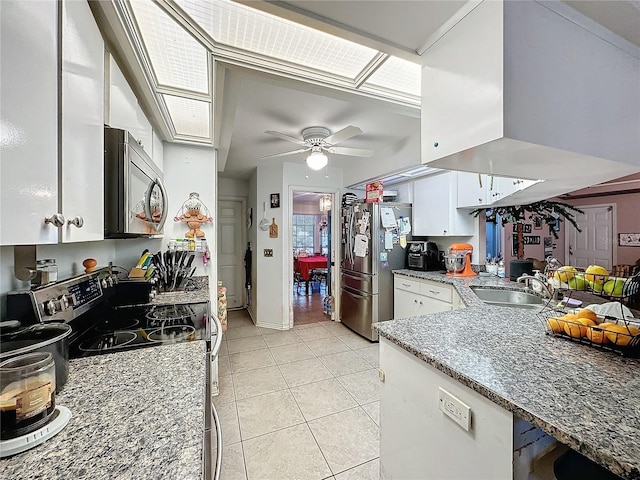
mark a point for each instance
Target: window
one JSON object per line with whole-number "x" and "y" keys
{"x": 304, "y": 233}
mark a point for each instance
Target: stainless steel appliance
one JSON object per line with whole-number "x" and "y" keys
{"x": 370, "y": 251}
{"x": 135, "y": 198}
{"x": 101, "y": 324}
{"x": 423, "y": 256}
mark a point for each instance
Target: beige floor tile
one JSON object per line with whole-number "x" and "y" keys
{"x": 371, "y": 354}
{"x": 322, "y": 398}
{"x": 366, "y": 471}
{"x": 241, "y": 332}
{"x": 342, "y": 363}
{"x": 347, "y": 439}
{"x": 229, "y": 424}
{"x": 291, "y": 453}
{"x": 223, "y": 348}
{"x": 373, "y": 410}
{"x": 336, "y": 328}
{"x": 282, "y": 338}
{"x": 291, "y": 353}
{"x": 304, "y": 326}
{"x": 363, "y": 386}
{"x": 233, "y": 463}
{"x": 315, "y": 332}
{"x": 245, "y": 344}
{"x": 224, "y": 366}
{"x": 258, "y": 382}
{"x": 226, "y": 393}
{"x": 327, "y": 346}
{"x": 267, "y": 413}
{"x": 304, "y": 371}
{"x": 242, "y": 362}
{"x": 355, "y": 341}
{"x": 233, "y": 321}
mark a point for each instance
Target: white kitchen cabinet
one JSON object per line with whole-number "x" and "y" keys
{"x": 53, "y": 162}
{"x": 477, "y": 190}
{"x": 28, "y": 122}
{"x": 413, "y": 297}
{"x": 417, "y": 440}
{"x": 506, "y": 105}
{"x": 435, "y": 212}
{"x": 82, "y": 133}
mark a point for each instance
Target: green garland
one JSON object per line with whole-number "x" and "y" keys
{"x": 548, "y": 211}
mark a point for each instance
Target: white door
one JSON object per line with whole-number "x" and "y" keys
{"x": 594, "y": 244}
{"x": 231, "y": 250}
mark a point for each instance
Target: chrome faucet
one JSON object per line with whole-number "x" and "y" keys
{"x": 547, "y": 290}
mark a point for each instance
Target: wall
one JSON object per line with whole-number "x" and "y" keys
{"x": 231, "y": 187}
{"x": 192, "y": 169}
{"x": 306, "y": 208}
{"x": 252, "y": 238}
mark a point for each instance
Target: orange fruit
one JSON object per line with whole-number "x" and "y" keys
{"x": 620, "y": 334}
{"x": 597, "y": 335}
{"x": 555, "y": 324}
{"x": 586, "y": 313}
{"x": 577, "y": 328}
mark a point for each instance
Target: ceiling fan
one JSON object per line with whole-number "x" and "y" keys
{"x": 317, "y": 139}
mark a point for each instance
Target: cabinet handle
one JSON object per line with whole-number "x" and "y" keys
{"x": 434, "y": 292}
{"x": 57, "y": 220}
{"x": 77, "y": 221}
{"x": 415, "y": 300}
{"x": 420, "y": 302}
{"x": 406, "y": 284}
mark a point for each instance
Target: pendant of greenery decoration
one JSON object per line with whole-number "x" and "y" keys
{"x": 549, "y": 212}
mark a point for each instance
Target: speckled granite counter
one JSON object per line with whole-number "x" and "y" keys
{"x": 136, "y": 415}
{"x": 194, "y": 289}
{"x": 584, "y": 397}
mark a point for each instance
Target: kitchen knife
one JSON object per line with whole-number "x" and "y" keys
{"x": 190, "y": 261}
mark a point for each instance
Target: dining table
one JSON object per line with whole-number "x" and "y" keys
{"x": 305, "y": 265}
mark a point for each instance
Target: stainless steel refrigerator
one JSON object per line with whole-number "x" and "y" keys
{"x": 370, "y": 249}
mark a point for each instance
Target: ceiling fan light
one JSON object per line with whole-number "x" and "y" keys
{"x": 317, "y": 161}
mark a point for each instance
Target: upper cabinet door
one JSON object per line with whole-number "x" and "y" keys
{"x": 28, "y": 122}
{"x": 82, "y": 136}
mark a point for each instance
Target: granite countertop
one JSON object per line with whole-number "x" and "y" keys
{"x": 137, "y": 414}
{"x": 584, "y": 397}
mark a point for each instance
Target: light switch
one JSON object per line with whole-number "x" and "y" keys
{"x": 454, "y": 408}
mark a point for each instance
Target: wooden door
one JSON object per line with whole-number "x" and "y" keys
{"x": 594, "y": 244}
{"x": 231, "y": 250}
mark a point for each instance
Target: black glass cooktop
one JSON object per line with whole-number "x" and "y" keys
{"x": 116, "y": 329}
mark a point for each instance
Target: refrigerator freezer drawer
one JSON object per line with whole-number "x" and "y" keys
{"x": 357, "y": 311}
{"x": 360, "y": 282}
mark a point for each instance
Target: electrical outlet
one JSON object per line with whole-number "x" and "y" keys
{"x": 455, "y": 409}
{"x": 381, "y": 374}
{"x": 268, "y": 252}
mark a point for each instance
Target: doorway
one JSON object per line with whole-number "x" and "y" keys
{"x": 231, "y": 242}
{"x": 594, "y": 244}
{"x": 312, "y": 253}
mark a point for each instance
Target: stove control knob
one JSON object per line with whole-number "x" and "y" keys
{"x": 64, "y": 302}
{"x": 50, "y": 307}
{"x": 110, "y": 281}
{"x": 103, "y": 282}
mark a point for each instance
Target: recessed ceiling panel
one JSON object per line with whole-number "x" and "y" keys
{"x": 243, "y": 27}
{"x": 178, "y": 60}
{"x": 190, "y": 117}
{"x": 397, "y": 74}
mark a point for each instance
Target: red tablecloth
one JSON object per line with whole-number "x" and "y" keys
{"x": 306, "y": 264}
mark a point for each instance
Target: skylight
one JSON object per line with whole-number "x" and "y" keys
{"x": 178, "y": 36}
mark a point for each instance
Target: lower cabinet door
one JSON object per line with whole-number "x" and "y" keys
{"x": 405, "y": 304}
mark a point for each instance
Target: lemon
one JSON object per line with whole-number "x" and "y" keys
{"x": 614, "y": 286}
{"x": 620, "y": 334}
{"x": 564, "y": 274}
{"x": 577, "y": 328}
{"x": 555, "y": 324}
{"x": 587, "y": 313}
{"x": 597, "y": 335}
{"x": 596, "y": 274}
{"x": 577, "y": 282}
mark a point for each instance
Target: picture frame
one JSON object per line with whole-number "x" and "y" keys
{"x": 537, "y": 223}
{"x": 275, "y": 200}
{"x": 629, "y": 239}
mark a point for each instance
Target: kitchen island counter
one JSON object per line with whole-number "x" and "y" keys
{"x": 584, "y": 397}
{"x": 137, "y": 414}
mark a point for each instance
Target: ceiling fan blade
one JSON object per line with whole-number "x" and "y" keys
{"x": 342, "y": 135}
{"x": 354, "y": 152}
{"x": 297, "y": 141}
{"x": 287, "y": 153}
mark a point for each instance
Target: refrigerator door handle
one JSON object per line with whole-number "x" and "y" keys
{"x": 353, "y": 294}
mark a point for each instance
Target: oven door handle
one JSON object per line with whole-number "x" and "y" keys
{"x": 216, "y": 346}
{"x": 147, "y": 204}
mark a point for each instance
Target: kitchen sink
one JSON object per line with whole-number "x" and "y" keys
{"x": 509, "y": 298}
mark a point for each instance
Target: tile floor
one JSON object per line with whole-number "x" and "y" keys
{"x": 298, "y": 404}
{"x": 307, "y": 307}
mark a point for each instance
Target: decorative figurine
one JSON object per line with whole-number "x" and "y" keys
{"x": 194, "y": 213}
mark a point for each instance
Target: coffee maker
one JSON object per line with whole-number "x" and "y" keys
{"x": 423, "y": 256}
